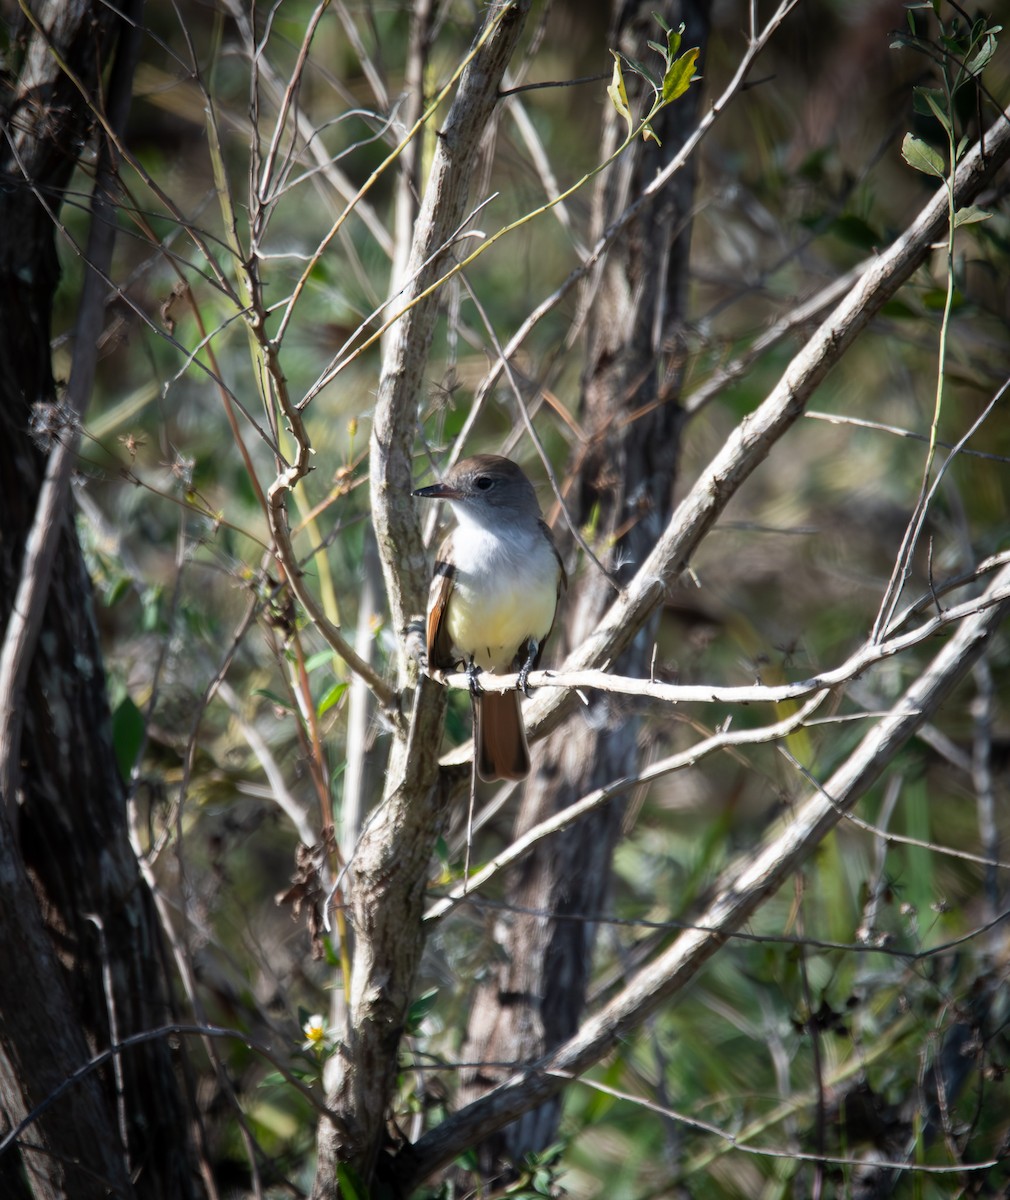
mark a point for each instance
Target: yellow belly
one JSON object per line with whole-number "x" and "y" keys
{"x": 494, "y": 623}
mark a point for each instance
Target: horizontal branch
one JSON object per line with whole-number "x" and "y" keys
{"x": 751, "y": 880}
{"x": 868, "y": 655}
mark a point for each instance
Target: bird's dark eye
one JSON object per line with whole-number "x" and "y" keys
{"x": 483, "y": 482}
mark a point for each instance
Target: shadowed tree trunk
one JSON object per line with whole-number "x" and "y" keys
{"x": 80, "y": 962}
{"x": 630, "y": 410}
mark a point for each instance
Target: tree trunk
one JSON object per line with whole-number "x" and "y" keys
{"x": 80, "y": 960}
{"x": 393, "y": 855}
{"x": 634, "y": 366}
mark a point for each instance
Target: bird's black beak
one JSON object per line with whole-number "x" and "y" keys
{"x": 438, "y": 491}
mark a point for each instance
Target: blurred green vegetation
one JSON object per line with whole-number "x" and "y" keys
{"x": 846, "y": 987}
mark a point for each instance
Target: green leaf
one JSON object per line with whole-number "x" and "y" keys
{"x": 150, "y": 609}
{"x": 925, "y": 101}
{"x": 319, "y": 659}
{"x": 970, "y": 215}
{"x": 678, "y": 78}
{"x": 921, "y": 156}
{"x": 330, "y": 952}
{"x": 420, "y": 1009}
{"x": 980, "y": 60}
{"x": 899, "y": 310}
{"x": 673, "y": 37}
{"x": 643, "y": 70}
{"x": 618, "y": 94}
{"x": 856, "y": 231}
{"x": 938, "y": 108}
{"x": 936, "y": 299}
{"x": 273, "y": 697}
{"x": 331, "y": 697}
{"x": 127, "y": 735}
{"x": 117, "y": 591}
{"x": 350, "y": 1184}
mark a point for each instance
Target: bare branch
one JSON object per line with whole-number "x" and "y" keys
{"x": 865, "y": 657}
{"x": 868, "y": 655}
{"x": 722, "y": 740}
{"x": 738, "y": 1142}
{"x": 745, "y": 886}
{"x": 753, "y": 439}
{"x": 393, "y": 854}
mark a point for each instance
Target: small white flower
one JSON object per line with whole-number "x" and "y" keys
{"x": 317, "y": 1036}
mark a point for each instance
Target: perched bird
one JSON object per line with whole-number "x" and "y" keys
{"x": 494, "y": 596}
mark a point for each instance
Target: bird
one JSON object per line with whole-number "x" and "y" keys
{"x": 493, "y": 599}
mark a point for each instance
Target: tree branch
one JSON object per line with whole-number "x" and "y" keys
{"x": 755, "y": 436}
{"x": 868, "y": 655}
{"x": 744, "y": 887}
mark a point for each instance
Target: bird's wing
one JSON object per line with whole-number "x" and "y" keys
{"x": 439, "y": 642}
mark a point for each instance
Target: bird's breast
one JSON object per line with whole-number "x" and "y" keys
{"x": 503, "y": 594}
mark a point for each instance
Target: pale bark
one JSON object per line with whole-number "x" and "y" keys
{"x": 755, "y": 437}
{"x": 618, "y": 626}
{"x": 671, "y": 548}
{"x": 392, "y": 859}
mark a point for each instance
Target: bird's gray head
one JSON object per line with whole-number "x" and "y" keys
{"x": 487, "y": 488}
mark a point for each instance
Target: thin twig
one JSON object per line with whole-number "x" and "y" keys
{"x": 557, "y": 822}
{"x": 162, "y": 1033}
{"x": 787, "y": 1152}
{"x": 752, "y": 878}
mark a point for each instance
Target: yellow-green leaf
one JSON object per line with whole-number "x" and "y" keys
{"x": 980, "y": 59}
{"x": 332, "y": 696}
{"x": 678, "y": 78}
{"x": 970, "y": 214}
{"x": 617, "y": 93}
{"x": 921, "y": 156}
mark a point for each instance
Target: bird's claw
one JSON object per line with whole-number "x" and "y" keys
{"x": 473, "y": 678}
{"x": 524, "y": 671}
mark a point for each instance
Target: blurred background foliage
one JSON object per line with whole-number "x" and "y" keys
{"x": 831, "y": 1013}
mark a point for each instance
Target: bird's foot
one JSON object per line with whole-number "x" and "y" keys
{"x": 473, "y": 678}
{"x": 532, "y": 649}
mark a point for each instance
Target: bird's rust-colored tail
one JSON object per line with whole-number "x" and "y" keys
{"x": 500, "y": 737}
